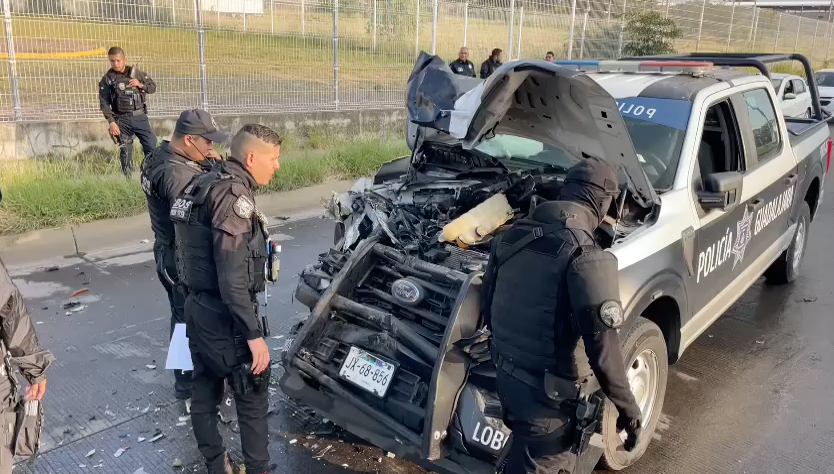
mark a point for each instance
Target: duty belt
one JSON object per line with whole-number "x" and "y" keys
{"x": 553, "y": 385}
{"x": 135, "y": 112}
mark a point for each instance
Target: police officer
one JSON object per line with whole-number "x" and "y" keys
{"x": 462, "y": 65}
{"x": 19, "y": 342}
{"x": 122, "y": 97}
{"x": 165, "y": 174}
{"x": 550, "y": 57}
{"x": 221, "y": 250}
{"x": 492, "y": 63}
{"x": 555, "y": 350}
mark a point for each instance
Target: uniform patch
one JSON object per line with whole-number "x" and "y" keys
{"x": 181, "y": 210}
{"x": 244, "y": 207}
{"x": 611, "y": 313}
{"x": 146, "y": 184}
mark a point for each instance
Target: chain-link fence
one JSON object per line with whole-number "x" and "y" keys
{"x": 272, "y": 56}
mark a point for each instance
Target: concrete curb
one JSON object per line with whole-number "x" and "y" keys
{"x": 111, "y": 235}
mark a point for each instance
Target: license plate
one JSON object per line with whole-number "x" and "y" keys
{"x": 367, "y": 371}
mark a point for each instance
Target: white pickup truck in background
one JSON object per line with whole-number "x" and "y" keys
{"x": 793, "y": 94}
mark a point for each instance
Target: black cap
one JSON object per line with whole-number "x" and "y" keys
{"x": 595, "y": 172}
{"x": 199, "y": 122}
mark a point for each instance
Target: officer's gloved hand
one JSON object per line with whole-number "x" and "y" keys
{"x": 633, "y": 428}
{"x": 477, "y": 346}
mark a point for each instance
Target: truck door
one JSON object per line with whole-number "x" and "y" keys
{"x": 771, "y": 175}
{"x": 720, "y": 242}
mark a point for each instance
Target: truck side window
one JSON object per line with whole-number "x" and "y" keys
{"x": 719, "y": 150}
{"x": 762, "y": 116}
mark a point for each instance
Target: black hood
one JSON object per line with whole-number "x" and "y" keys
{"x": 531, "y": 99}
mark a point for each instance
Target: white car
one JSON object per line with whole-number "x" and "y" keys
{"x": 825, "y": 84}
{"x": 794, "y": 97}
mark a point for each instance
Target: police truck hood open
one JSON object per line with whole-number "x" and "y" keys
{"x": 530, "y": 99}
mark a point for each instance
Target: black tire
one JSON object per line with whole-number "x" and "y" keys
{"x": 644, "y": 337}
{"x": 786, "y": 268}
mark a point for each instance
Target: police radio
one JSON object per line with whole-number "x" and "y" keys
{"x": 273, "y": 263}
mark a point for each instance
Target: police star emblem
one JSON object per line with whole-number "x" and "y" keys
{"x": 611, "y": 314}
{"x": 743, "y": 236}
{"x": 244, "y": 207}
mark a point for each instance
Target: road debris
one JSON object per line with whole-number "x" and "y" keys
{"x": 52, "y": 269}
{"x": 90, "y": 454}
{"x": 141, "y": 470}
{"x": 183, "y": 418}
{"x": 293, "y": 441}
{"x": 78, "y": 292}
{"x": 144, "y": 241}
{"x": 182, "y": 423}
{"x": 150, "y": 366}
{"x": 176, "y": 463}
{"x": 809, "y": 299}
{"x": 140, "y": 439}
{"x": 323, "y": 452}
{"x": 121, "y": 451}
{"x": 277, "y": 337}
{"x": 157, "y": 436}
{"x": 146, "y": 409}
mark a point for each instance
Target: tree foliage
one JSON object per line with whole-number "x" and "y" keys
{"x": 648, "y": 33}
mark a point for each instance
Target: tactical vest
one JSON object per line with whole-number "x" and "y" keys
{"x": 124, "y": 98}
{"x": 153, "y": 169}
{"x": 194, "y": 241}
{"x": 531, "y": 320}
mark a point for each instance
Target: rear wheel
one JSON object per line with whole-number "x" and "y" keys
{"x": 786, "y": 268}
{"x": 644, "y": 350}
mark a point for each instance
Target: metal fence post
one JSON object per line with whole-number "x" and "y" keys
{"x": 798, "y": 25}
{"x": 622, "y": 31}
{"x": 303, "y": 23}
{"x": 174, "y": 12}
{"x": 272, "y": 16}
{"x": 510, "y": 31}
{"x": 417, "y": 29}
{"x": 373, "y": 40}
{"x": 582, "y": 40}
{"x": 730, "y": 29}
{"x": 518, "y": 37}
{"x": 201, "y": 42}
{"x": 465, "y": 20}
{"x": 336, "y": 54}
{"x": 570, "y": 28}
{"x": 814, "y": 42}
{"x": 700, "y": 25}
{"x": 828, "y": 43}
{"x": 434, "y": 27}
{"x": 609, "y": 11}
{"x": 244, "y": 17}
{"x": 7, "y": 30}
{"x": 668, "y": 2}
{"x": 755, "y": 26}
{"x": 778, "y": 28}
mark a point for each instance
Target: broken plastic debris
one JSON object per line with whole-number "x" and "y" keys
{"x": 344, "y": 465}
{"x": 146, "y": 409}
{"x": 277, "y": 337}
{"x": 121, "y": 451}
{"x": 150, "y": 366}
{"x": 390, "y": 455}
{"x": 90, "y": 454}
{"x": 325, "y": 421}
{"x": 39, "y": 322}
{"x": 293, "y": 441}
{"x": 52, "y": 269}
{"x": 183, "y": 418}
{"x": 78, "y": 292}
{"x": 182, "y": 423}
{"x": 323, "y": 452}
{"x": 82, "y": 466}
{"x": 760, "y": 342}
{"x": 141, "y": 470}
{"x": 157, "y": 438}
{"x": 176, "y": 464}
{"x": 99, "y": 465}
{"x": 140, "y": 439}
{"x": 72, "y": 304}
{"x": 144, "y": 241}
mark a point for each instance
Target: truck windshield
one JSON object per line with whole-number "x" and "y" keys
{"x": 656, "y": 127}
{"x": 825, "y": 79}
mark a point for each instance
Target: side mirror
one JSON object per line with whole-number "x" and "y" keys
{"x": 721, "y": 190}
{"x": 790, "y": 96}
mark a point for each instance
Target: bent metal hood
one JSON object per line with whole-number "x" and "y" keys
{"x": 531, "y": 99}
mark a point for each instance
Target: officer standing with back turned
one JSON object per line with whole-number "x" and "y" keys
{"x": 122, "y": 96}
{"x": 165, "y": 174}
{"x": 222, "y": 246}
{"x": 557, "y": 349}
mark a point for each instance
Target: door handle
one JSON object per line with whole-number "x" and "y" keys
{"x": 791, "y": 179}
{"x": 756, "y": 204}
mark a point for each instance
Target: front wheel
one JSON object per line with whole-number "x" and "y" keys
{"x": 786, "y": 268}
{"x": 644, "y": 350}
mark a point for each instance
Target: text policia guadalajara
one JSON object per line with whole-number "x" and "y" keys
{"x": 750, "y": 225}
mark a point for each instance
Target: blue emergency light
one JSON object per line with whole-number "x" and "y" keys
{"x": 591, "y": 65}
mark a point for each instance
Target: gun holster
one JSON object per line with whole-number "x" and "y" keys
{"x": 587, "y": 418}
{"x": 28, "y": 427}
{"x": 245, "y": 382}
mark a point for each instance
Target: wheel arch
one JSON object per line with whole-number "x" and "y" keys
{"x": 812, "y": 195}
{"x": 661, "y": 300}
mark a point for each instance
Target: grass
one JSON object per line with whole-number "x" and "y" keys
{"x": 53, "y": 192}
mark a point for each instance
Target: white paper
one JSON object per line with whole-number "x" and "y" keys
{"x": 179, "y": 356}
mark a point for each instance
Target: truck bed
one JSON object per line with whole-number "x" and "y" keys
{"x": 805, "y": 134}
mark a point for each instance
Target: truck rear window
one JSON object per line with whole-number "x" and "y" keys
{"x": 657, "y": 128}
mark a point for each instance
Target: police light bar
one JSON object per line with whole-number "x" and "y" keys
{"x": 681, "y": 67}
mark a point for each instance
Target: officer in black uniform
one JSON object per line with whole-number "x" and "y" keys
{"x": 492, "y": 63}
{"x": 122, "y": 95}
{"x": 557, "y": 348}
{"x": 462, "y": 66}
{"x": 165, "y": 174}
{"x": 221, "y": 250}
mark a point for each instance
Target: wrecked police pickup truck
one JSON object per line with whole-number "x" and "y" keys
{"x": 717, "y": 189}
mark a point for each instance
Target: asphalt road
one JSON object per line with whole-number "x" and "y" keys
{"x": 751, "y": 395}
